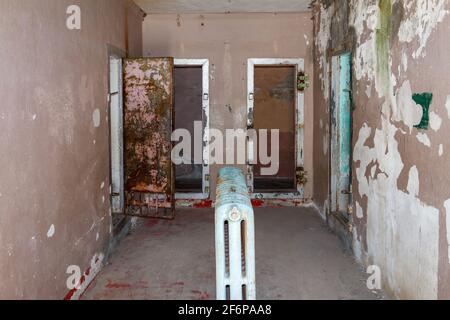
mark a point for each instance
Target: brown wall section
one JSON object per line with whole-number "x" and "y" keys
{"x": 228, "y": 40}
{"x": 54, "y": 176}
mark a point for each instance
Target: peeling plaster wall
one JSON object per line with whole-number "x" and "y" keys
{"x": 228, "y": 40}
{"x": 54, "y": 181}
{"x": 400, "y": 173}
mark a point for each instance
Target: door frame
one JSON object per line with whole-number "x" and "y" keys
{"x": 116, "y": 172}
{"x": 335, "y": 187}
{"x": 204, "y": 63}
{"x": 299, "y": 64}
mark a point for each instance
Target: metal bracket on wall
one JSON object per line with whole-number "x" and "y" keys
{"x": 302, "y": 81}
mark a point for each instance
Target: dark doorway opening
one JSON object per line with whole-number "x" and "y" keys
{"x": 188, "y": 109}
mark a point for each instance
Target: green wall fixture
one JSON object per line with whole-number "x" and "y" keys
{"x": 424, "y": 100}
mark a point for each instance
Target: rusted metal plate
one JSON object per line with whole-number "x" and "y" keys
{"x": 148, "y": 115}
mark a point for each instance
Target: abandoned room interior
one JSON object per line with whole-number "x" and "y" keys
{"x": 240, "y": 149}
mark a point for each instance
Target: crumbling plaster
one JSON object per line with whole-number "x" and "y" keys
{"x": 400, "y": 187}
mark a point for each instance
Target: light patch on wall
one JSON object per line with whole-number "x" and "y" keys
{"x": 275, "y": 46}
{"x": 325, "y": 140}
{"x": 413, "y": 182}
{"x": 51, "y": 231}
{"x": 422, "y": 18}
{"x": 357, "y": 248}
{"x": 364, "y": 16}
{"x": 404, "y": 109}
{"x": 435, "y": 121}
{"x": 96, "y": 118}
{"x": 441, "y": 150}
{"x": 447, "y": 220}
{"x": 404, "y": 61}
{"x": 365, "y": 62}
{"x": 359, "y": 210}
{"x": 373, "y": 171}
{"x": 306, "y": 39}
{"x": 423, "y": 138}
{"x": 212, "y": 72}
{"x": 447, "y": 106}
{"x": 325, "y": 209}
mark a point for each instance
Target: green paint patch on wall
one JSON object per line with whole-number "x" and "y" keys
{"x": 383, "y": 34}
{"x": 424, "y": 100}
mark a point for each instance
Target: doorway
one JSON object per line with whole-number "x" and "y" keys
{"x": 191, "y": 105}
{"x": 275, "y": 103}
{"x": 340, "y": 160}
{"x": 115, "y": 100}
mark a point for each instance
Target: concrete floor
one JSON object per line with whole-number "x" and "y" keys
{"x": 296, "y": 258}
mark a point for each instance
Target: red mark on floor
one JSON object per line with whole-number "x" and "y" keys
{"x": 257, "y": 203}
{"x": 151, "y": 223}
{"x": 203, "y": 204}
{"x": 119, "y": 285}
{"x": 70, "y": 294}
{"x": 200, "y": 295}
{"x": 116, "y": 285}
{"x": 173, "y": 289}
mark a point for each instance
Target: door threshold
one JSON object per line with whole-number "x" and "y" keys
{"x": 191, "y": 196}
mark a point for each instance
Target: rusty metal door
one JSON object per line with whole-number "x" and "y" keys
{"x": 148, "y": 122}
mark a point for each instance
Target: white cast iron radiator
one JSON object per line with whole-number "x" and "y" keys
{"x": 235, "y": 238}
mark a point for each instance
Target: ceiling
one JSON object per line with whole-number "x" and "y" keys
{"x": 214, "y": 6}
